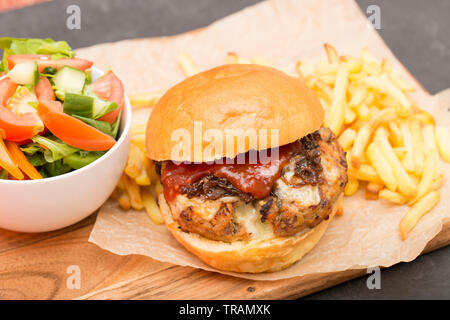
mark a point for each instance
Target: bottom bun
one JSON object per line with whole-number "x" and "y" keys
{"x": 252, "y": 256}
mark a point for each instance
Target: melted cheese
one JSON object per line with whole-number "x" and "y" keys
{"x": 247, "y": 216}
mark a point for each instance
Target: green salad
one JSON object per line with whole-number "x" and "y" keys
{"x": 53, "y": 118}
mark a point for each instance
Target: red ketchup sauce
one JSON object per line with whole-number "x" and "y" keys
{"x": 256, "y": 179}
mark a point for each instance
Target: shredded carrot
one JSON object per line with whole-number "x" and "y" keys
{"x": 7, "y": 162}
{"x": 21, "y": 160}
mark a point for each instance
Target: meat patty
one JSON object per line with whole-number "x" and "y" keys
{"x": 300, "y": 198}
{"x": 310, "y": 184}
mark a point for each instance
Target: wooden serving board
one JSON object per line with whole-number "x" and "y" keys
{"x": 35, "y": 266}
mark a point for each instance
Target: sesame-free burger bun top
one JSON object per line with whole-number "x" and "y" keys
{"x": 233, "y": 96}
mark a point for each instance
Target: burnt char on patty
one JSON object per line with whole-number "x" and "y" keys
{"x": 301, "y": 198}
{"x": 213, "y": 188}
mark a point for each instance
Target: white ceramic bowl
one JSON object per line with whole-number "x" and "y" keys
{"x": 57, "y": 202}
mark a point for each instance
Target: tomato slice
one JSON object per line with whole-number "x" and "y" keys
{"x": 72, "y": 131}
{"x": 44, "y": 60}
{"x": 16, "y": 127}
{"x": 7, "y": 89}
{"x": 44, "y": 90}
{"x": 109, "y": 88}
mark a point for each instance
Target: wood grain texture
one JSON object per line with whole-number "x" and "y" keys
{"x": 34, "y": 266}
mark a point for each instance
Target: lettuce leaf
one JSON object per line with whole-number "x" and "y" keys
{"x": 103, "y": 126}
{"x": 56, "y": 149}
{"x": 116, "y": 125}
{"x": 37, "y": 159}
{"x": 83, "y": 158}
{"x": 56, "y": 49}
{"x": 31, "y": 148}
{"x": 56, "y": 168}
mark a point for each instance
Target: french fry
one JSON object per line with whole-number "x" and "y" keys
{"x": 414, "y": 178}
{"x": 187, "y": 65}
{"x": 408, "y": 160}
{"x": 327, "y": 68}
{"x": 151, "y": 171}
{"x": 383, "y": 84}
{"x": 143, "y": 179}
{"x": 399, "y": 152}
{"x": 361, "y": 140}
{"x": 418, "y": 154}
{"x": 386, "y": 101}
{"x": 138, "y": 129}
{"x": 134, "y": 193}
{"x": 304, "y": 69}
{"x": 115, "y": 194}
{"x": 366, "y": 56}
{"x": 351, "y": 187}
{"x": 417, "y": 211}
{"x": 368, "y": 195}
{"x": 121, "y": 184}
{"x": 364, "y": 112}
{"x": 386, "y": 66}
{"x": 335, "y": 118}
{"x": 392, "y": 196}
{"x": 365, "y": 173}
{"x": 372, "y": 190}
{"x": 349, "y": 115}
{"x": 151, "y": 207}
{"x": 374, "y": 187}
{"x": 429, "y": 141}
{"x": 443, "y": 142}
{"x": 331, "y": 53}
{"x": 423, "y": 117}
{"x": 346, "y": 138}
{"x": 147, "y": 99}
{"x": 353, "y": 65}
{"x": 139, "y": 141}
{"x": 426, "y": 182}
{"x": 124, "y": 201}
{"x": 326, "y": 89}
{"x": 134, "y": 165}
{"x": 395, "y": 133}
{"x": 364, "y": 134}
{"x": 358, "y": 96}
{"x": 232, "y": 58}
{"x": 405, "y": 184}
{"x": 400, "y": 83}
{"x": 437, "y": 183}
{"x": 373, "y": 68}
{"x": 382, "y": 167}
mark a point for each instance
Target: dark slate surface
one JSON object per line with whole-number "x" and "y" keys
{"x": 415, "y": 30}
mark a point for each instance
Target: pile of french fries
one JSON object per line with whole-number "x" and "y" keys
{"x": 139, "y": 186}
{"x": 392, "y": 145}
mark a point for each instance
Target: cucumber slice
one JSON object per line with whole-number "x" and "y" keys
{"x": 25, "y": 73}
{"x": 69, "y": 79}
{"x": 101, "y": 107}
{"x": 60, "y": 94}
{"x": 77, "y": 104}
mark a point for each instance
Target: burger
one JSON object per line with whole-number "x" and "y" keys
{"x": 251, "y": 178}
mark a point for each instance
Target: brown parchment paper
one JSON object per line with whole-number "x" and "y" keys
{"x": 282, "y": 31}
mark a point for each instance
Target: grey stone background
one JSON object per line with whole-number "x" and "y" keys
{"x": 417, "y": 31}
